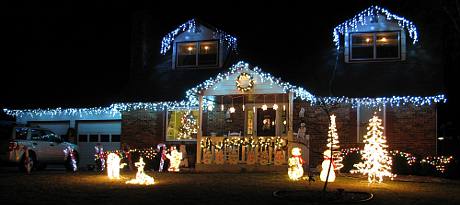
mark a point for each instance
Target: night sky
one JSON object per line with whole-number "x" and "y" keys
{"x": 78, "y": 55}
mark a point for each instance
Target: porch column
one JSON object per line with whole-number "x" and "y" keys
{"x": 290, "y": 135}
{"x": 200, "y": 130}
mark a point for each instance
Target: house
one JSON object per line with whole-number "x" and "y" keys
{"x": 232, "y": 115}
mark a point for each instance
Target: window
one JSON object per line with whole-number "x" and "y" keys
{"x": 364, "y": 115}
{"x": 374, "y": 46}
{"x": 200, "y": 53}
{"x": 93, "y": 138}
{"x": 83, "y": 138}
{"x": 186, "y": 54}
{"x": 39, "y": 135}
{"x": 115, "y": 138}
{"x": 105, "y": 138}
{"x": 208, "y": 53}
{"x": 21, "y": 133}
{"x": 178, "y": 122}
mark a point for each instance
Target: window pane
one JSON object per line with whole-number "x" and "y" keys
{"x": 208, "y": 53}
{"x": 21, "y": 133}
{"x": 178, "y": 124}
{"x": 186, "y": 54}
{"x": 387, "y": 45}
{"x": 105, "y": 138}
{"x": 115, "y": 138}
{"x": 362, "y": 46}
{"x": 38, "y": 135}
{"x": 82, "y": 138}
{"x": 93, "y": 138}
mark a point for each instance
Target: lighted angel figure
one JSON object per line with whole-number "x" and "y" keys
{"x": 326, "y": 165}
{"x": 175, "y": 158}
{"x": 295, "y": 170}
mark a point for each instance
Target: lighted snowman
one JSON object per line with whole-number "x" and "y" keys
{"x": 175, "y": 158}
{"x": 324, "y": 167}
{"x": 295, "y": 170}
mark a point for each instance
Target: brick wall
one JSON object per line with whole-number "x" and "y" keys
{"x": 142, "y": 128}
{"x": 317, "y": 123}
{"x": 412, "y": 129}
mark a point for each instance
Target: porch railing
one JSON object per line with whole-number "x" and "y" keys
{"x": 270, "y": 150}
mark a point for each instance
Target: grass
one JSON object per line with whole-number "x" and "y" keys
{"x": 203, "y": 188}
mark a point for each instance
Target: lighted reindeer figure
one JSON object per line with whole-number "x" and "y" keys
{"x": 141, "y": 177}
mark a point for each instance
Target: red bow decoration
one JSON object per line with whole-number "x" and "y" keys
{"x": 300, "y": 158}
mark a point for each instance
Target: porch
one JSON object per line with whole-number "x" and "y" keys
{"x": 247, "y": 127}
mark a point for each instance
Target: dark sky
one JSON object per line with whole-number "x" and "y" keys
{"x": 71, "y": 54}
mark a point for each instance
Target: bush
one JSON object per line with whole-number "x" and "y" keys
{"x": 400, "y": 165}
{"x": 453, "y": 170}
{"x": 349, "y": 160}
{"x": 425, "y": 169}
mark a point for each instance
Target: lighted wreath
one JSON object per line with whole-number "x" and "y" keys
{"x": 244, "y": 82}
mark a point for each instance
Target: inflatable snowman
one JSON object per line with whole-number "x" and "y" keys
{"x": 325, "y": 166}
{"x": 295, "y": 170}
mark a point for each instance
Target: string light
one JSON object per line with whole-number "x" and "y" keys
{"x": 377, "y": 163}
{"x": 264, "y": 106}
{"x": 333, "y": 141}
{"x": 439, "y": 162}
{"x": 275, "y": 106}
{"x": 232, "y": 109}
{"x": 191, "y": 26}
{"x": 365, "y": 17}
{"x": 191, "y": 102}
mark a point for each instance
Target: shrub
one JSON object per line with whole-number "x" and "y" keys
{"x": 400, "y": 165}
{"x": 349, "y": 160}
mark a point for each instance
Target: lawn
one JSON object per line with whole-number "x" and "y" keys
{"x": 58, "y": 187}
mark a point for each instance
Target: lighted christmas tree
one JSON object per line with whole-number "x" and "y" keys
{"x": 188, "y": 126}
{"x": 333, "y": 138}
{"x": 377, "y": 162}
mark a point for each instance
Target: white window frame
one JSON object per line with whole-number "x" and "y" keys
{"x": 374, "y": 58}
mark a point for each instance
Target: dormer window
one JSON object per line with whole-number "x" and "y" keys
{"x": 196, "y": 54}
{"x": 375, "y": 46}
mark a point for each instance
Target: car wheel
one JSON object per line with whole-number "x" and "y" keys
{"x": 28, "y": 165}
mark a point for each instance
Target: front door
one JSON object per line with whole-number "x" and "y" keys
{"x": 266, "y": 122}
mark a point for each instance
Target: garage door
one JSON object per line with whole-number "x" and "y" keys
{"x": 90, "y": 133}
{"x": 59, "y": 128}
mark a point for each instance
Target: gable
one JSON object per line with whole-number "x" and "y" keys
{"x": 363, "y": 21}
{"x": 228, "y": 86}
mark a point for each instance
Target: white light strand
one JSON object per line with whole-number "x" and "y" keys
{"x": 192, "y": 102}
{"x": 190, "y": 26}
{"x": 362, "y": 18}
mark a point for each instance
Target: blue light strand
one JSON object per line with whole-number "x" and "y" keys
{"x": 362, "y": 19}
{"x": 190, "y": 26}
{"x": 191, "y": 101}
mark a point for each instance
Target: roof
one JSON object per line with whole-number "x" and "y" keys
{"x": 362, "y": 19}
{"x": 191, "y": 26}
